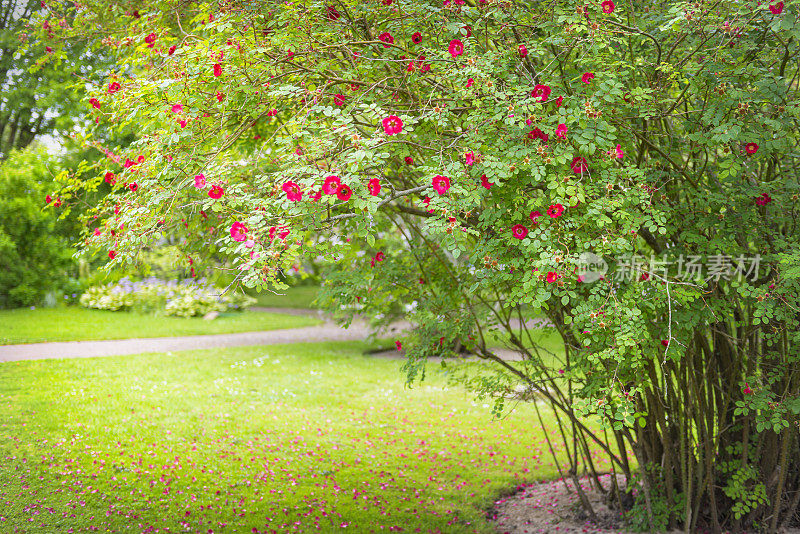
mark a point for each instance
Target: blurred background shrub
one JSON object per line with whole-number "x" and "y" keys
{"x": 185, "y": 298}
{"x": 35, "y": 254}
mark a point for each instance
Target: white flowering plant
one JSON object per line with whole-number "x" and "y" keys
{"x": 186, "y": 298}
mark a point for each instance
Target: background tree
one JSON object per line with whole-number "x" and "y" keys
{"x": 460, "y": 160}
{"x": 38, "y": 75}
{"x": 35, "y": 253}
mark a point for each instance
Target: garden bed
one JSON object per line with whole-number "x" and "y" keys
{"x": 554, "y": 507}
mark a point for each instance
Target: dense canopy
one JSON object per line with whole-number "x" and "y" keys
{"x": 463, "y": 163}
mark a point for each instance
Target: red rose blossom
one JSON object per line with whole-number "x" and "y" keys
{"x": 392, "y": 125}
{"x": 112, "y": 254}
{"x": 578, "y": 165}
{"x": 344, "y": 193}
{"x": 238, "y": 232}
{"x": 216, "y": 192}
{"x": 552, "y": 277}
{"x": 409, "y": 160}
{"x": 374, "y": 186}
{"x": 541, "y": 91}
{"x": 331, "y": 185}
{"x": 751, "y": 148}
{"x": 555, "y": 210}
{"x": 416, "y": 38}
{"x": 113, "y": 87}
{"x": 608, "y": 7}
{"x": 776, "y": 9}
{"x": 331, "y": 13}
{"x": 522, "y": 50}
{"x": 519, "y": 231}
{"x": 387, "y": 38}
{"x": 293, "y": 192}
{"x": 456, "y": 48}
{"x": 441, "y": 184}
{"x": 486, "y": 183}
{"x": 338, "y": 99}
{"x": 763, "y": 200}
{"x": 587, "y": 77}
{"x": 95, "y": 103}
{"x": 536, "y": 133}
{"x": 217, "y": 70}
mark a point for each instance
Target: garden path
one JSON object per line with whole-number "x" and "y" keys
{"x": 327, "y": 331}
{"x": 116, "y": 347}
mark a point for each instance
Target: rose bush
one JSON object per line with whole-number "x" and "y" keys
{"x": 455, "y": 161}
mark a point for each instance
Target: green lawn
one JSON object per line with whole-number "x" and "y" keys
{"x": 293, "y": 297}
{"x": 301, "y": 438}
{"x": 547, "y": 340}
{"x": 79, "y": 324}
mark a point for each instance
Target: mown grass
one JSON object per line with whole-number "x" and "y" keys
{"x": 80, "y": 324}
{"x": 293, "y": 297}
{"x": 301, "y": 438}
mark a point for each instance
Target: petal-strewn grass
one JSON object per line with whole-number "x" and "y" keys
{"x": 301, "y": 438}
{"x": 25, "y": 325}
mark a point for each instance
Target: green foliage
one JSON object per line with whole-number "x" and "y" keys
{"x": 746, "y": 490}
{"x": 186, "y": 298}
{"x": 659, "y": 135}
{"x": 34, "y": 256}
{"x": 656, "y": 517}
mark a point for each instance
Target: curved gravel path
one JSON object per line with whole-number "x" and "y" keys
{"x": 327, "y": 331}
{"x": 115, "y": 347}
